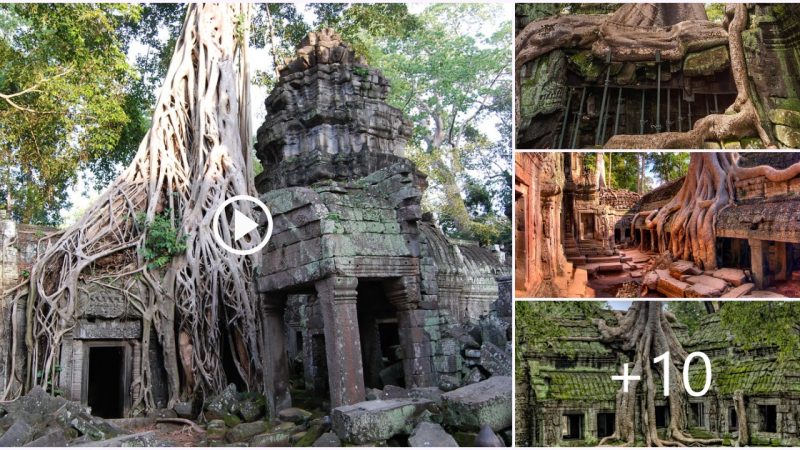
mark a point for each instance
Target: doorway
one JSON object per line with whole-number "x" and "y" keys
{"x": 380, "y": 339}
{"x": 107, "y": 383}
{"x": 587, "y": 226}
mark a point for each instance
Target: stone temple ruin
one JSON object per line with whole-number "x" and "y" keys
{"x": 586, "y": 240}
{"x": 362, "y": 296}
{"x": 582, "y": 226}
{"x": 565, "y": 395}
{"x": 575, "y": 98}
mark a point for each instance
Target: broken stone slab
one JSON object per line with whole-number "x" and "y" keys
{"x": 763, "y": 294}
{"x": 52, "y": 438}
{"x": 479, "y": 404}
{"x": 431, "y": 393}
{"x": 252, "y": 409}
{"x": 488, "y": 438}
{"x": 143, "y": 439}
{"x": 474, "y": 376}
{"x": 669, "y": 286}
{"x": 19, "y": 434}
{"x": 495, "y": 360}
{"x": 391, "y": 391}
{"x": 294, "y": 415}
{"x": 712, "y": 282}
{"x": 651, "y": 279}
{"x": 328, "y": 440}
{"x": 279, "y": 438}
{"x": 701, "y": 290}
{"x": 428, "y": 434}
{"x": 680, "y": 267}
{"x": 739, "y": 291}
{"x": 736, "y": 277}
{"x": 448, "y": 383}
{"x": 377, "y": 420}
{"x": 245, "y": 431}
{"x": 226, "y": 402}
{"x": 215, "y": 430}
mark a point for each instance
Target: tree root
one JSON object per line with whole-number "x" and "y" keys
{"x": 195, "y": 156}
{"x": 645, "y": 329}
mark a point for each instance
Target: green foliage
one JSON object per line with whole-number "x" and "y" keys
{"x": 758, "y": 324}
{"x": 162, "y": 241}
{"x": 688, "y": 313}
{"x": 589, "y": 161}
{"x": 668, "y": 166}
{"x": 67, "y": 65}
{"x": 715, "y": 12}
{"x": 623, "y": 170}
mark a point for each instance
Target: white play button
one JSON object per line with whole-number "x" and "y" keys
{"x": 242, "y": 226}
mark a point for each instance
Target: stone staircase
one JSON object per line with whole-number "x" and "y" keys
{"x": 574, "y": 283}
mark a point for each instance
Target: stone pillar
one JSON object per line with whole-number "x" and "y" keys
{"x": 781, "y": 268}
{"x": 337, "y": 296}
{"x": 404, "y": 294}
{"x": 758, "y": 261}
{"x": 275, "y": 362}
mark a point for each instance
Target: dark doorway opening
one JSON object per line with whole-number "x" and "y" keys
{"x": 106, "y": 384}
{"x": 769, "y": 418}
{"x": 733, "y": 419}
{"x": 587, "y": 226}
{"x": 380, "y": 338}
{"x": 605, "y": 424}
{"x": 662, "y": 416}
{"x": 572, "y": 426}
{"x": 733, "y": 252}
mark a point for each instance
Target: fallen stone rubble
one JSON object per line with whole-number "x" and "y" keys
{"x": 682, "y": 279}
{"x": 41, "y": 420}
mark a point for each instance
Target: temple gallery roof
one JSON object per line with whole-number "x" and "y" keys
{"x": 761, "y": 374}
{"x": 660, "y": 195}
{"x": 777, "y": 220}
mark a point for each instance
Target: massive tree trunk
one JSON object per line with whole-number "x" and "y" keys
{"x": 707, "y": 189}
{"x": 195, "y": 156}
{"x": 645, "y": 332}
{"x": 635, "y": 33}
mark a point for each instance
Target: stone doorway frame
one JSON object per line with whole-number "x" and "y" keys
{"x": 127, "y": 366}
{"x": 337, "y": 296}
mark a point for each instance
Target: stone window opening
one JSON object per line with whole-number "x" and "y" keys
{"x": 769, "y": 418}
{"x": 662, "y": 416}
{"x": 698, "y": 416}
{"x": 107, "y": 378}
{"x": 733, "y": 419}
{"x": 605, "y": 424}
{"x": 572, "y": 426}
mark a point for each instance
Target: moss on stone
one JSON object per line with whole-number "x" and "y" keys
{"x": 707, "y": 62}
{"x": 586, "y": 65}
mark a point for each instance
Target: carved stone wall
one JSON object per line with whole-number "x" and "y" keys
{"x": 349, "y": 249}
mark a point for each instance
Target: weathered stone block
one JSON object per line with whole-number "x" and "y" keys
{"x": 736, "y": 277}
{"x": 427, "y": 434}
{"x": 790, "y": 137}
{"x": 739, "y": 291}
{"x": 785, "y": 117}
{"x": 245, "y": 431}
{"x": 294, "y": 415}
{"x": 475, "y": 405}
{"x": 376, "y": 420}
{"x": 495, "y": 360}
{"x": 706, "y": 62}
{"x": 273, "y": 439}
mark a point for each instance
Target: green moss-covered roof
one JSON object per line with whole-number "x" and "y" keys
{"x": 753, "y": 377}
{"x": 582, "y": 385}
{"x": 710, "y": 335}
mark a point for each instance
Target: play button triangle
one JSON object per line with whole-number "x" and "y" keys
{"x": 242, "y": 225}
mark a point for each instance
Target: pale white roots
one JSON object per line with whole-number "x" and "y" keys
{"x": 645, "y": 330}
{"x": 195, "y": 156}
